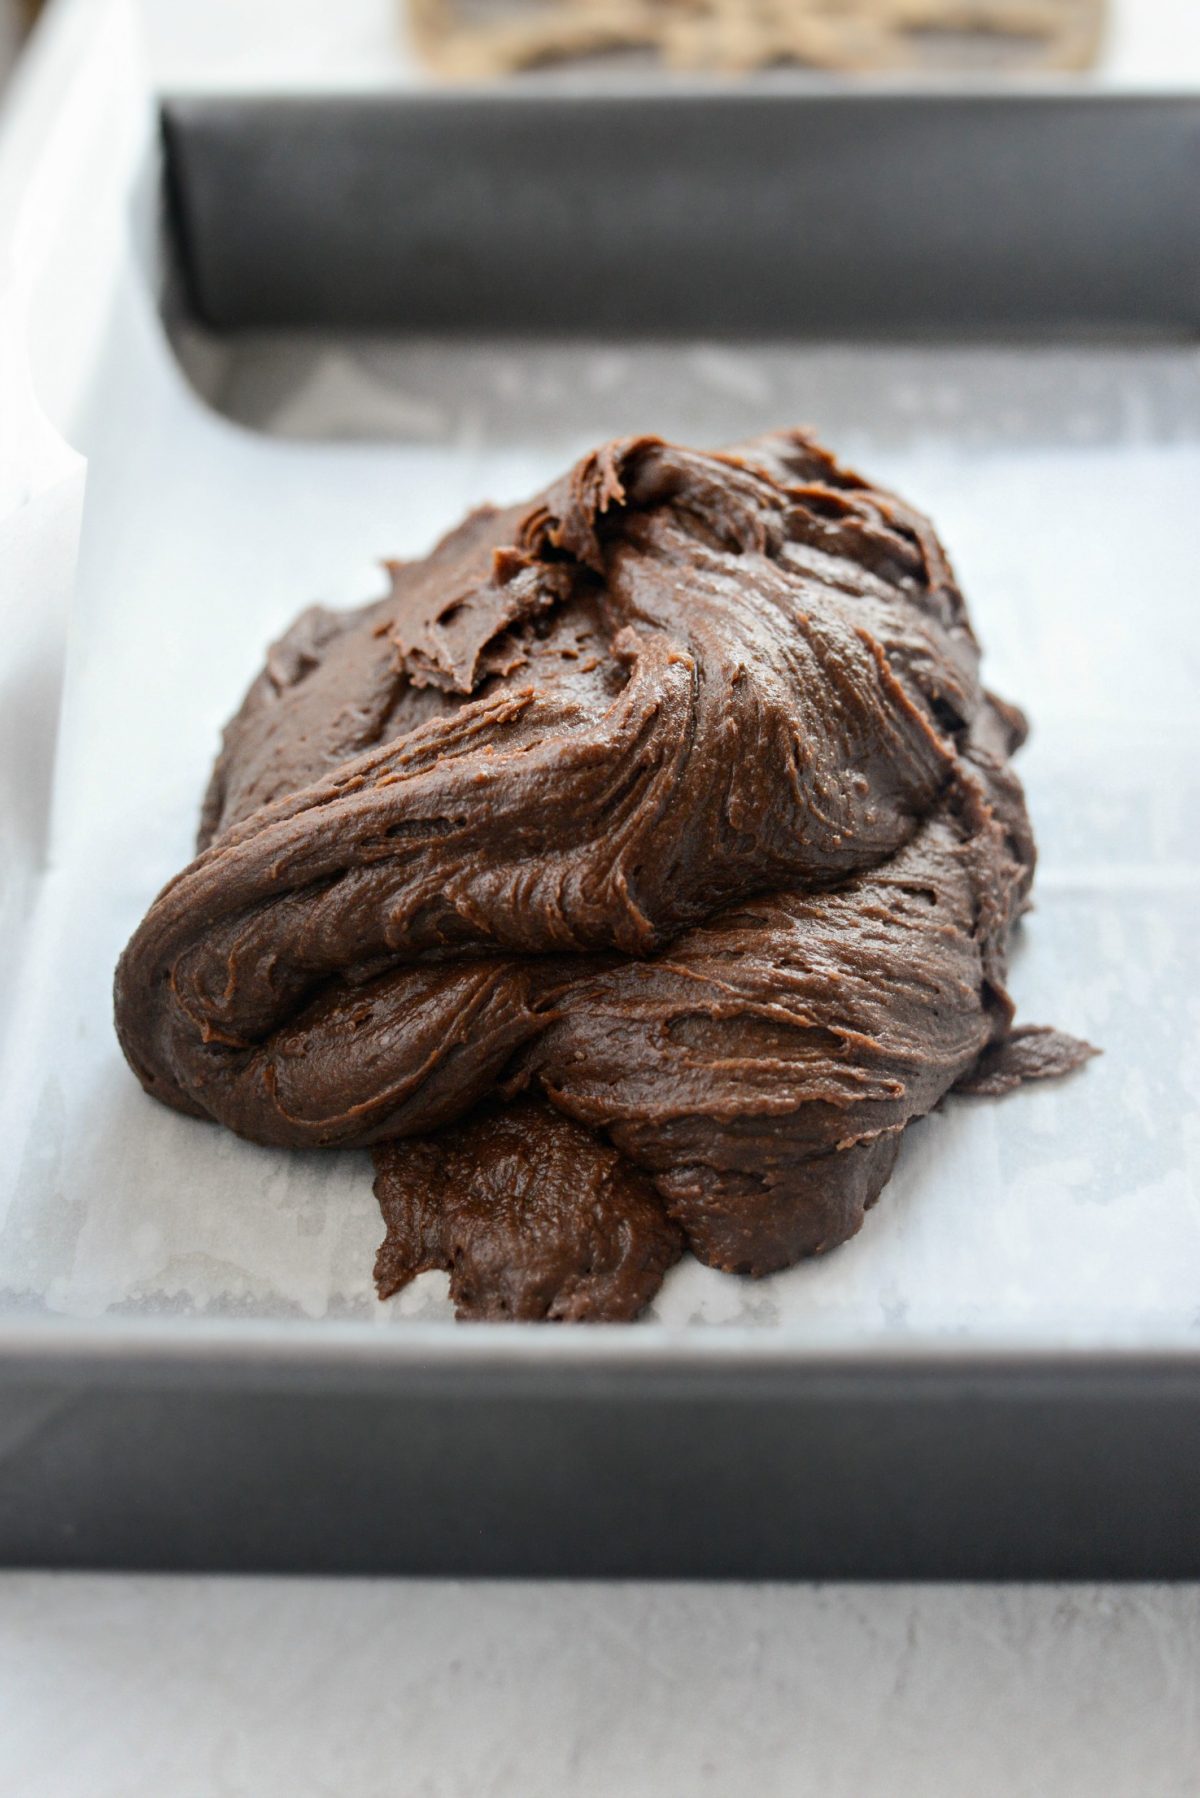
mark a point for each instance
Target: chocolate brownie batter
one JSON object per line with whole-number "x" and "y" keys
{"x": 530, "y": 1214}
{"x": 644, "y": 863}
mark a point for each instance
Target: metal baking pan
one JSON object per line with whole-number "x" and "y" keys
{"x": 813, "y": 212}
{"x": 387, "y": 308}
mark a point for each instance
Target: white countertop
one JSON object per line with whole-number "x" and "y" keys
{"x": 204, "y": 1688}
{"x": 195, "y": 1688}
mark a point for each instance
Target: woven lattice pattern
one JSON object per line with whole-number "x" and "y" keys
{"x": 845, "y": 35}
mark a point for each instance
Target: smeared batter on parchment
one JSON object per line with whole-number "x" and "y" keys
{"x": 632, "y": 875}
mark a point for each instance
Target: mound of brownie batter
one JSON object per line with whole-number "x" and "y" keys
{"x": 633, "y": 874}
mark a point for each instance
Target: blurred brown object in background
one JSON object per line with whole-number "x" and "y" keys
{"x": 16, "y": 18}
{"x": 477, "y": 38}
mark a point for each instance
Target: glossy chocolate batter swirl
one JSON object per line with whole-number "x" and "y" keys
{"x": 649, "y": 853}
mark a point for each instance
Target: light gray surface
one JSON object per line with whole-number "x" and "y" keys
{"x": 140, "y": 1688}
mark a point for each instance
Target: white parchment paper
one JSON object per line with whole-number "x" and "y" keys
{"x": 1065, "y": 481}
